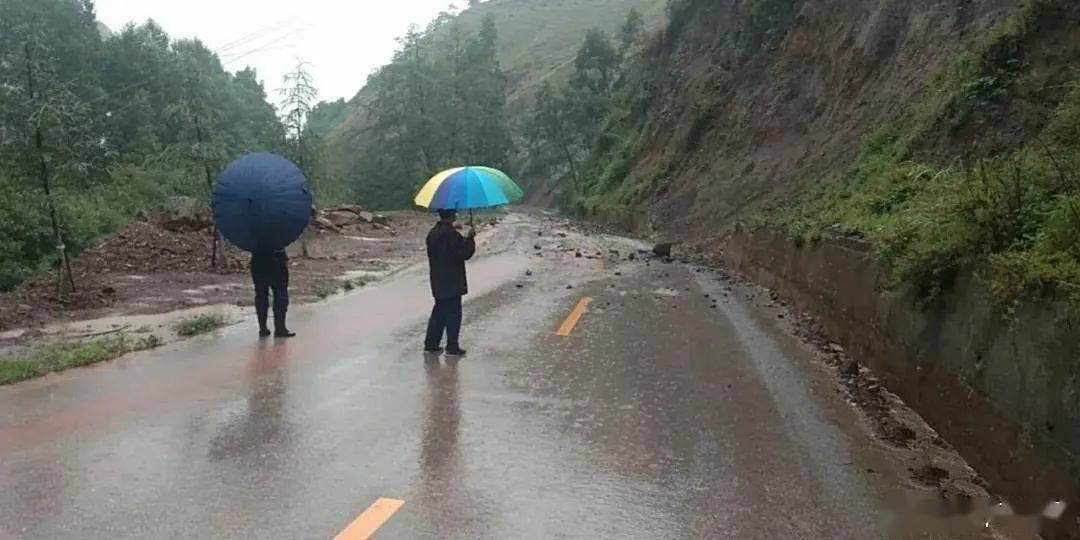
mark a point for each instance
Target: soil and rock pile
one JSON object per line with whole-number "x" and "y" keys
{"x": 352, "y": 218}
{"x": 167, "y": 254}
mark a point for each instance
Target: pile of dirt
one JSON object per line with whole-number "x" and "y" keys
{"x": 162, "y": 263}
{"x": 144, "y": 248}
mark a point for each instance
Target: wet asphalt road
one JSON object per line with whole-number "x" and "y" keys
{"x": 658, "y": 417}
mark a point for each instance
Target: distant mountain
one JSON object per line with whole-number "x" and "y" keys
{"x": 538, "y": 40}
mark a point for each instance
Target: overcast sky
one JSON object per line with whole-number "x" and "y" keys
{"x": 343, "y": 40}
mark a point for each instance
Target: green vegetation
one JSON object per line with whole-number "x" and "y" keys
{"x": 51, "y": 358}
{"x": 537, "y": 44}
{"x": 545, "y": 35}
{"x": 98, "y": 126}
{"x": 439, "y": 104}
{"x": 575, "y": 134}
{"x": 200, "y": 324}
{"x": 1010, "y": 215}
{"x": 592, "y": 135}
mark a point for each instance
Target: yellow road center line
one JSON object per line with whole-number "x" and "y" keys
{"x": 374, "y": 517}
{"x": 575, "y": 316}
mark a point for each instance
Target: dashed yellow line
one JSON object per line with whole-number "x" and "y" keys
{"x": 374, "y": 517}
{"x": 575, "y": 316}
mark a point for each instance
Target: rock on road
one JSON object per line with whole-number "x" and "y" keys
{"x": 658, "y": 416}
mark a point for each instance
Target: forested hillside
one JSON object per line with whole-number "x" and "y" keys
{"x": 944, "y": 133}
{"x": 535, "y": 43}
{"x": 96, "y": 126}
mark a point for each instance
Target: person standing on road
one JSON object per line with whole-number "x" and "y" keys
{"x": 447, "y": 252}
{"x": 270, "y": 272}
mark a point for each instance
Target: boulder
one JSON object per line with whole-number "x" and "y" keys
{"x": 351, "y": 208}
{"x": 367, "y": 217}
{"x": 341, "y": 218}
{"x": 663, "y": 249}
{"x": 322, "y": 223}
{"x": 184, "y": 214}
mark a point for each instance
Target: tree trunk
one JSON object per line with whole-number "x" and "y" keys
{"x": 64, "y": 263}
{"x": 216, "y": 235}
{"x": 570, "y": 162}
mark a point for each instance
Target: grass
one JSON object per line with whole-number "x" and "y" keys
{"x": 1013, "y": 218}
{"x": 52, "y": 358}
{"x": 198, "y": 325}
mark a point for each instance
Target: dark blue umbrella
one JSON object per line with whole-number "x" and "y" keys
{"x": 262, "y": 202}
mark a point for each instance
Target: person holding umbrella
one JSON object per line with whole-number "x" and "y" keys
{"x": 447, "y": 252}
{"x": 261, "y": 205}
{"x": 465, "y": 188}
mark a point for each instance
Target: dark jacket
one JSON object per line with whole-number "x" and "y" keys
{"x": 270, "y": 266}
{"x": 447, "y": 252}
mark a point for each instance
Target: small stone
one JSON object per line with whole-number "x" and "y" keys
{"x": 528, "y": 272}
{"x": 663, "y": 249}
{"x": 569, "y": 286}
{"x": 850, "y": 368}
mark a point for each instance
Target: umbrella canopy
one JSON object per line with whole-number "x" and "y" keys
{"x": 262, "y": 202}
{"x": 513, "y": 192}
{"x": 468, "y": 188}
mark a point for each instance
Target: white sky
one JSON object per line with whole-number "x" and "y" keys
{"x": 343, "y": 40}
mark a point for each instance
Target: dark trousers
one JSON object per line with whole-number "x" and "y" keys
{"x": 277, "y": 282}
{"x": 445, "y": 316}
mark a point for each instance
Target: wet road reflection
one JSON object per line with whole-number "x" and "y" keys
{"x": 263, "y": 421}
{"x": 442, "y": 482}
{"x": 657, "y": 417}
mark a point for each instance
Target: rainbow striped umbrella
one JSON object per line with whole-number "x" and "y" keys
{"x": 468, "y": 188}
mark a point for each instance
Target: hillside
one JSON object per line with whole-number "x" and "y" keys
{"x": 537, "y": 42}
{"x": 905, "y": 171}
{"x": 942, "y": 132}
{"x": 539, "y": 38}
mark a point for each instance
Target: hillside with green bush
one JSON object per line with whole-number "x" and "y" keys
{"x": 97, "y": 126}
{"x": 537, "y": 42}
{"x": 950, "y": 143}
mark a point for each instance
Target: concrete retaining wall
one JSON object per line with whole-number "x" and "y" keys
{"x": 1005, "y": 393}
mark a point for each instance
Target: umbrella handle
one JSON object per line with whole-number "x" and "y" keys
{"x": 471, "y": 224}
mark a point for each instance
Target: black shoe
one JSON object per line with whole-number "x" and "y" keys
{"x": 284, "y": 334}
{"x": 264, "y": 333}
{"x": 433, "y": 350}
{"x": 455, "y": 351}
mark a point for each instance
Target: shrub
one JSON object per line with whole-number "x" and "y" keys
{"x": 198, "y": 325}
{"x": 51, "y": 358}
